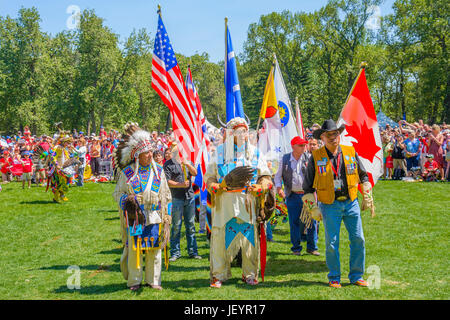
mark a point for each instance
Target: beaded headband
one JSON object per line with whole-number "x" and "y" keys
{"x": 144, "y": 146}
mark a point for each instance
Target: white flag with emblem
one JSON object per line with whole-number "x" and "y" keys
{"x": 288, "y": 127}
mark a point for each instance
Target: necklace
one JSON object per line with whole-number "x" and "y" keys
{"x": 144, "y": 174}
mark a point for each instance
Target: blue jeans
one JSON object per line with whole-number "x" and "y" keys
{"x": 412, "y": 162}
{"x": 180, "y": 209}
{"x": 333, "y": 214}
{"x": 294, "y": 205}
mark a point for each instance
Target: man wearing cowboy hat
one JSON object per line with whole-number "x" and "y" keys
{"x": 334, "y": 171}
{"x": 292, "y": 173}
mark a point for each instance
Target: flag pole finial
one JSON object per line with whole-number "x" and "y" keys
{"x": 159, "y": 9}
{"x": 362, "y": 67}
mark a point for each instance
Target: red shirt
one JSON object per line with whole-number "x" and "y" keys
{"x": 17, "y": 167}
{"x": 28, "y": 165}
{"x": 434, "y": 165}
{"x": 28, "y": 141}
{"x": 7, "y": 163}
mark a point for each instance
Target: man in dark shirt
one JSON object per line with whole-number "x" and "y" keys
{"x": 183, "y": 204}
{"x": 334, "y": 172}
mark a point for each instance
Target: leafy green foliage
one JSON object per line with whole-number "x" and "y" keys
{"x": 90, "y": 77}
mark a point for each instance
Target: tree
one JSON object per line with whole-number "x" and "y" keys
{"x": 22, "y": 52}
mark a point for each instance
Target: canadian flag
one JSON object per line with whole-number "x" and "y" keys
{"x": 361, "y": 128}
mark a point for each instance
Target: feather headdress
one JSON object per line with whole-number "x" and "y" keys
{"x": 134, "y": 141}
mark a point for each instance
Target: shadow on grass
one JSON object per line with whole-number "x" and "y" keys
{"x": 174, "y": 268}
{"x": 91, "y": 267}
{"x": 37, "y": 202}
{"x": 284, "y": 284}
{"x": 111, "y": 219}
{"x": 280, "y": 232}
{"x": 112, "y": 251}
{"x": 95, "y": 289}
{"x": 277, "y": 267}
{"x": 103, "y": 210}
{"x": 187, "y": 285}
{"x": 280, "y": 241}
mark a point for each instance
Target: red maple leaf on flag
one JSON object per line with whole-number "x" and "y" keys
{"x": 362, "y": 127}
{"x": 365, "y": 144}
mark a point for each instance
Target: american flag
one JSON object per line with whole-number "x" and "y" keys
{"x": 202, "y": 157}
{"x": 168, "y": 83}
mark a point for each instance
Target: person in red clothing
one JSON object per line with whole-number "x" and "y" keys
{"x": 102, "y": 133}
{"x": 27, "y": 137}
{"x": 16, "y": 167}
{"x": 27, "y": 165}
{"x": 45, "y": 143}
{"x": 431, "y": 169}
{"x": 5, "y": 163}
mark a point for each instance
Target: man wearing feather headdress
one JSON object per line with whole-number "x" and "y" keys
{"x": 242, "y": 198}
{"x": 144, "y": 200}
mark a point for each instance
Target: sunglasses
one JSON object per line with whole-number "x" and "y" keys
{"x": 332, "y": 134}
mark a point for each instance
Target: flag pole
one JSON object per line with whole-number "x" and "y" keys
{"x": 299, "y": 130}
{"x": 159, "y": 10}
{"x": 362, "y": 66}
{"x": 226, "y": 44}
{"x": 225, "y": 63}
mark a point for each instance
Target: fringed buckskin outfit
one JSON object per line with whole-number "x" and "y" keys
{"x": 234, "y": 212}
{"x": 144, "y": 231}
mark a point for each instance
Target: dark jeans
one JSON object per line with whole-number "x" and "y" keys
{"x": 294, "y": 205}
{"x": 412, "y": 162}
{"x": 183, "y": 209}
{"x": 95, "y": 166}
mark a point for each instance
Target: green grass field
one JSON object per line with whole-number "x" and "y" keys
{"x": 408, "y": 242}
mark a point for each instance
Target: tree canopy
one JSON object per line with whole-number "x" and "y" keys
{"x": 89, "y": 78}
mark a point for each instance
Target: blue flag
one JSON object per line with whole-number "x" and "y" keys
{"x": 199, "y": 182}
{"x": 234, "y": 106}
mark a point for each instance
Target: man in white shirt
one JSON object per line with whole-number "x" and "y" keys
{"x": 291, "y": 173}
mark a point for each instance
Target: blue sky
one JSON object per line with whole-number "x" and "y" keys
{"x": 194, "y": 26}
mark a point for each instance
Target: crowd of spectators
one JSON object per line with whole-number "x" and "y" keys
{"x": 416, "y": 151}
{"x": 94, "y": 152}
